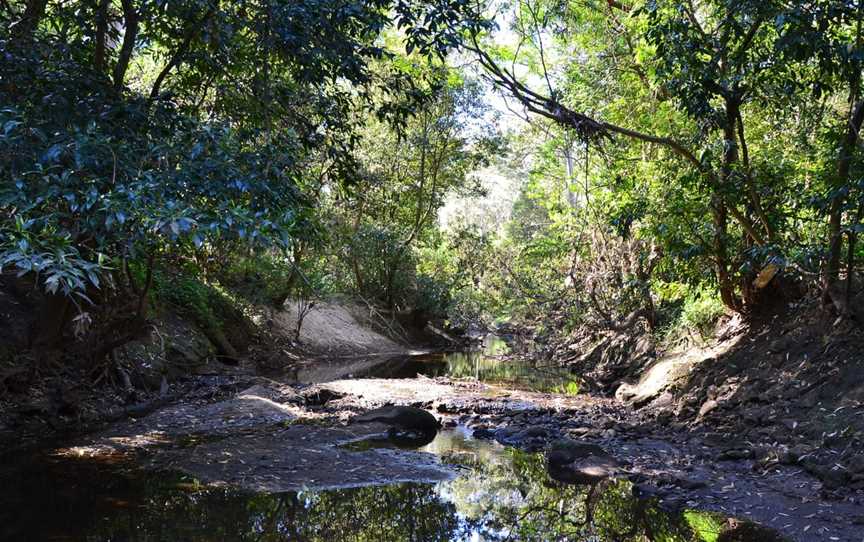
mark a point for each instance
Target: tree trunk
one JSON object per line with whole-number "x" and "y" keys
{"x": 721, "y": 256}
{"x": 101, "y": 35}
{"x": 719, "y": 210}
{"x": 192, "y": 31}
{"x": 130, "y": 34}
{"x": 835, "y": 212}
{"x": 22, "y": 31}
{"x": 54, "y": 314}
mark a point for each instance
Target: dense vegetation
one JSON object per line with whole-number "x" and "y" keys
{"x": 679, "y": 159}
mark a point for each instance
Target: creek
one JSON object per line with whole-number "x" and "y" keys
{"x": 498, "y": 493}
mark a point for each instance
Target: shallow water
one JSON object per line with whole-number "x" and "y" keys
{"x": 489, "y": 363}
{"x": 500, "y": 494}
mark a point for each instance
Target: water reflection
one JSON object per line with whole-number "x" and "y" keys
{"x": 504, "y": 494}
{"x": 489, "y": 363}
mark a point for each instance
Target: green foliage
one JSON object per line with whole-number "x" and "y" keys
{"x": 701, "y": 310}
{"x": 570, "y": 388}
{"x": 189, "y": 295}
{"x": 706, "y": 525}
{"x": 199, "y": 131}
{"x": 307, "y": 147}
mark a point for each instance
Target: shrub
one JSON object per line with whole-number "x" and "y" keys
{"x": 701, "y": 310}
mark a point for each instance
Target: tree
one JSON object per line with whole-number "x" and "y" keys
{"x": 131, "y": 130}
{"x": 829, "y": 35}
{"x": 407, "y": 175}
{"x": 712, "y": 60}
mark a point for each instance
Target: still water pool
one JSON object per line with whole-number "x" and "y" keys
{"x": 489, "y": 362}
{"x": 500, "y": 494}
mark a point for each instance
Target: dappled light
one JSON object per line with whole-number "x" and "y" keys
{"x": 444, "y": 270}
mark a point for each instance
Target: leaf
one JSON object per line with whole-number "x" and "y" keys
{"x": 10, "y": 125}
{"x": 53, "y": 153}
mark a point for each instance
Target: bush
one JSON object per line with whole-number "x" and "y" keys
{"x": 701, "y": 310}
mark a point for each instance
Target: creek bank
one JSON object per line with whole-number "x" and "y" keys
{"x": 783, "y": 388}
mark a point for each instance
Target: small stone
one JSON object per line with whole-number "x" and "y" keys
{"x": 707, "y": 407}
{"x": 735, "y": 454}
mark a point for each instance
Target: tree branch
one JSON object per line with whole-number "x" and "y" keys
{"x": 191, "y": 32}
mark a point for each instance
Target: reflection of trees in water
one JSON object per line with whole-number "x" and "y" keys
{"x": 407, "y": 512}
{"x": 514, "y": 499}
{"x": 492, "y": 366}
{"x": 507, "y": 496}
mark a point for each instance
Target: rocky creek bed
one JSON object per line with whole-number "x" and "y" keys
{"x": 273, "y": 438}
{"x": 292, "y": 460}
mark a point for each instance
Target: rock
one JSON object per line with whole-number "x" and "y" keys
{"x": 789, "y": 423}
{"x": 665, "y": 401}
{"x": 753, "y": 416}
{"x": 665, "y": 417}
{"x": 402, "y": 417}
{"x": 483, "y": 432}
{"x": 626, "y": 392}
{"x": 707, "y": 407}
{"x": 855, "y": 464}
{"x": 735, "y": 454}
{"x": 680, "y": 481}
{"x": 576, "y": 463}
{"x": 16, "y": 379}
{"x": 532, "y": 432}
{"x": 810, "y": 400}
{"x": 831, "y": 477}
{"x": 35, "y": 407}
{"x": 644, "y": 490}
{"x": 318, "y": 396}
{"x": 672, "y": 504}
{"x": 177, "y": 349}
{"x": 743, "y": 531}
{"x": 275, "y": 393}
{"x": 781, "y": 345}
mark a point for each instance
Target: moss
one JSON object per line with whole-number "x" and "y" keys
{"x": 210, "y": 306}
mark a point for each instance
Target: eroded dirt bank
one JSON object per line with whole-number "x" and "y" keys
{"x": 274, "y": 436}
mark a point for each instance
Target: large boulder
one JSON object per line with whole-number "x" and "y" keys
{"x": 173, "y": 350}
{"x": 577, "y": 463}
{"x": 401, "y": 417}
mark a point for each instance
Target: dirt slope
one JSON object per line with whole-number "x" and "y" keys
{"x": 334, "y": 328}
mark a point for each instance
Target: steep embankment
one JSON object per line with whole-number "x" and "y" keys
{"x": 334, "y": 328}
{"x": 788, "y": 389}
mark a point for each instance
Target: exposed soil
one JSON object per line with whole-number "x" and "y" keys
{"x": 331, "y": 328}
